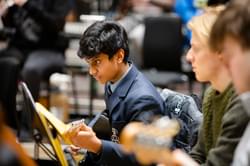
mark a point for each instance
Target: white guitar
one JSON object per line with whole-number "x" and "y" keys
{"x": 151, "y": 143}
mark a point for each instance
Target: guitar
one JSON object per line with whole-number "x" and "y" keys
{"x": 151, "y": 142}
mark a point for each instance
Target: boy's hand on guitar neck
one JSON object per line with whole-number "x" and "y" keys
{"x": 84, "y": 137}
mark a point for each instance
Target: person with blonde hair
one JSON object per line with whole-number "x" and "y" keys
{"x": 224, "y": 119}
{"x": 221, "y": 130}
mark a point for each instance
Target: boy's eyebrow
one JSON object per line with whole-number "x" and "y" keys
{"x": 91, "y": 59}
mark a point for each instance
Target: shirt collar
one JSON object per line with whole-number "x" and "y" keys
{"x": 114, "y": 85}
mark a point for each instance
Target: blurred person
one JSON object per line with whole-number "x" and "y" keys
{"x": 9, "y": 69}
{"x": 129, "y": 96}
{"x": 36, "y": 42}
{"x": 187, "y": 9}
{"x": 221, "y": 130}
{"x": 231, "y": 34}
{"x": 11, "y": 152}
{"x": 35, "y": 45}
{"x": 216, "y": 2}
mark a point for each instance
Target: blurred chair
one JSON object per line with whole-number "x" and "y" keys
{"x": 162, "y": 51}
{"x": 40, "y": 65}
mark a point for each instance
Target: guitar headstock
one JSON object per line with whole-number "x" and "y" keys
{"x": 150, "y": 142}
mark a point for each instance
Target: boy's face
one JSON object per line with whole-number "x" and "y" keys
{"x": 238, "y": 62}
{"x": 104, "y": 69}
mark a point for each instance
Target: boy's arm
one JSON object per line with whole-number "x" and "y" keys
{"x": 144, "y": 109}
{"x": 99, "y": 151}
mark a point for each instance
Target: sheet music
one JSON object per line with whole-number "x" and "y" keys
{"x": 60, "y": 127}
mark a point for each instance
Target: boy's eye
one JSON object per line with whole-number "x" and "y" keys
{"x": 97, "y": 62}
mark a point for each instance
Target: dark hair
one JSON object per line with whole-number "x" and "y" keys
{"x": 216, "y": 2}
{"x": 233, "y": 22}
{"x": 103, "y": 37}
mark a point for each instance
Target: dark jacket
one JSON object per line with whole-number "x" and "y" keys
{"x": 186, "y": 111}
{"x": 37, "y": 24}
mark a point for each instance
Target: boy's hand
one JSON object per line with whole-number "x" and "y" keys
{"x": 84, "y": 137}
{"x": 74, "y": 149}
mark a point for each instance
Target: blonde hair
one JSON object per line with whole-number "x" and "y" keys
{"x": 201, "y": 25}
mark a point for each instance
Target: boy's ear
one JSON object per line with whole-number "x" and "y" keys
{"x": 120, "y": 55}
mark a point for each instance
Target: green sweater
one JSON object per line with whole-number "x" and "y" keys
{"x": 223, "y": 125}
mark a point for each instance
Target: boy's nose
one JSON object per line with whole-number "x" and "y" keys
{"x": 92, "y": 70}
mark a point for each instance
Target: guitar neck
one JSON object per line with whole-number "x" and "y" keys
{"x": 150, "y": 143}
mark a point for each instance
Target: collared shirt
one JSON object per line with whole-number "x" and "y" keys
{"x": 114, "y": 85}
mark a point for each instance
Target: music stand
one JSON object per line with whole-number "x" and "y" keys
{"x": 41, "y": 127}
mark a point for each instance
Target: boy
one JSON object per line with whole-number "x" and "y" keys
{"x": 129, "y": 96}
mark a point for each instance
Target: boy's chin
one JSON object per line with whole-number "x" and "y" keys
{"x": 102, "y": 82}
